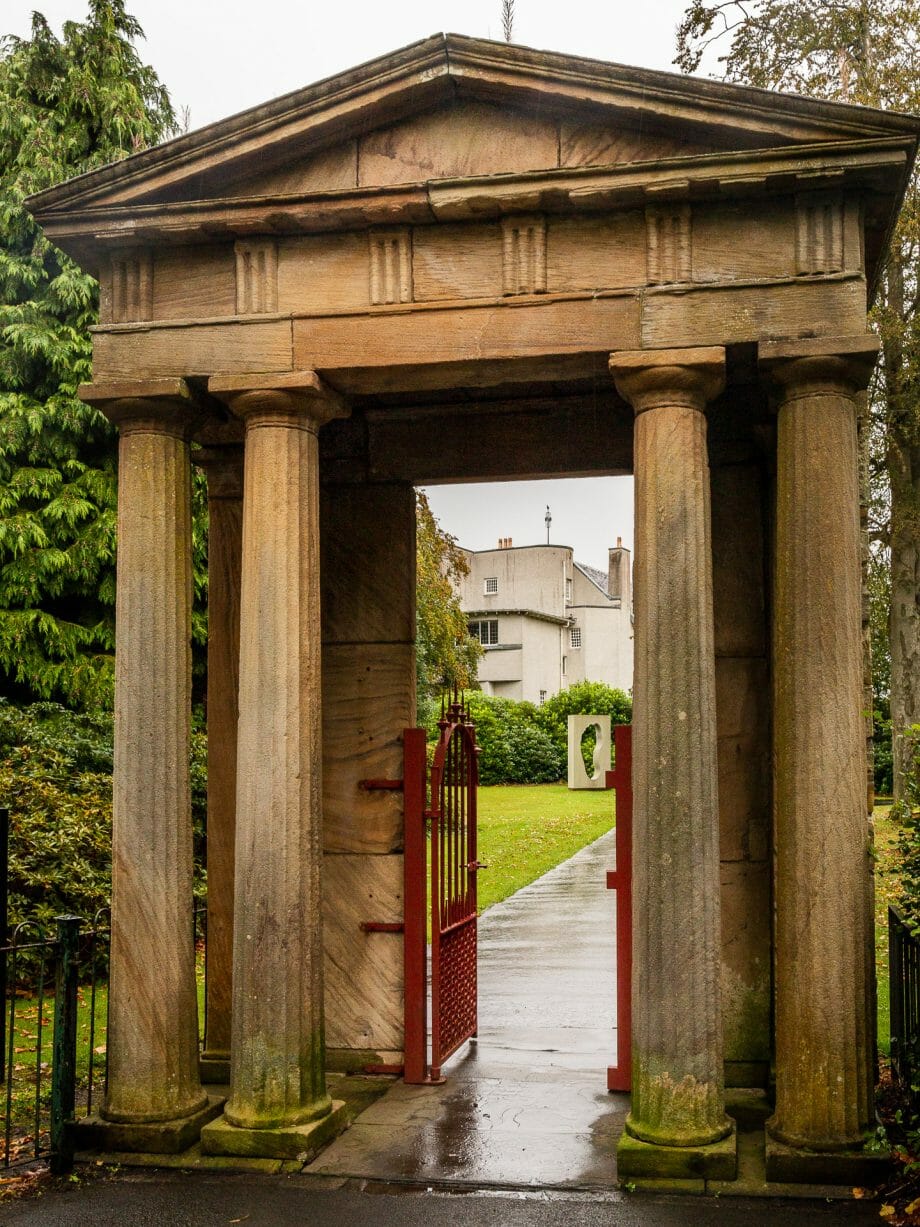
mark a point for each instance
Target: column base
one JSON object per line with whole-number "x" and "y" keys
{"x": 277, "y": 1142}
{"x": 796, "y": 1165}
{"x": 214, "y": 1068}
{"x": 167, "y": 1137}
{"x": 717, "y": 1161}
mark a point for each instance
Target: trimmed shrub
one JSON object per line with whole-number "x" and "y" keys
{"x": 521, "y": 743}
{"x": 513, "y": 749}
{"x": 583, "y": 699}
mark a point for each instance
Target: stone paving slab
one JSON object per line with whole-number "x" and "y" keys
{"x": 526, "y": 1104}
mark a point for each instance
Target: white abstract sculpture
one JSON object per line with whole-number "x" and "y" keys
{"x": 578, "y": 776}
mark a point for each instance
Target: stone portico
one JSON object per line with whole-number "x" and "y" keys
{"x": 470, "y": 261}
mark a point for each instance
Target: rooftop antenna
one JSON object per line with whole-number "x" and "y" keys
{"x": 547, "y": 520}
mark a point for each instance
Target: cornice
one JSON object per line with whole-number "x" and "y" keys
{"x": 418, "y": 76}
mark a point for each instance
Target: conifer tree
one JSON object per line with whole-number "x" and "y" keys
{"x": 67, "y": 105}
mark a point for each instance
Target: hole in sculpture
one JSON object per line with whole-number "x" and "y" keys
{"x": 589, "y": 740}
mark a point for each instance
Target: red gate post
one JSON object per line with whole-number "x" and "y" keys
{"x": 415, "y": 898}
{"x": 619, "y": 1076}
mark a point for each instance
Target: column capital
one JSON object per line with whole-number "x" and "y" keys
{"x": 812, "y": 366}
{"x": 159, "y": 406}
{"x": 224, "y": 467}
{"x": 292, "y": 398}
{"x": 652, "y": 378}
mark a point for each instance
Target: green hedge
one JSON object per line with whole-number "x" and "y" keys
{"x": 521, "y": 743}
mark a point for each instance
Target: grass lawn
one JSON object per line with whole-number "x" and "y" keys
{"x": 526, "y": 829}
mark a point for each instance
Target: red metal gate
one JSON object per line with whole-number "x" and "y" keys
{"x": 619, "y": 1076}
{"x": 453, "y": 868}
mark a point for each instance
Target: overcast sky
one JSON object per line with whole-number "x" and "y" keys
{"x": 218, "y": 57}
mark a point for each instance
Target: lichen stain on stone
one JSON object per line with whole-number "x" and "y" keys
{"x": 677, "y": 1112}
{"x": 746, "y": 1018}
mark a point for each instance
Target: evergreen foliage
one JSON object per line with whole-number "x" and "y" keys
{"x": 67, "y": 105}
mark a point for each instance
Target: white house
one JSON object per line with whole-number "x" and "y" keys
{"x": 547, "y": 621}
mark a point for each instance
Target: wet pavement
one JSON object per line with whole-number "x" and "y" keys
{"x": 526, "y": 1104}
{"x": 197, "y": 1199}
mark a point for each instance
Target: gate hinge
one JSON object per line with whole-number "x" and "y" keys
{"x": 381, "y": 785}
{"x": 382, "y": 926}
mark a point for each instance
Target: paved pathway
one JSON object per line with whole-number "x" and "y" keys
{"x": 527, "y": 1103}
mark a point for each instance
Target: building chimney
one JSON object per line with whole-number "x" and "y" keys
{"x": 619, "y": 574}
{"x": 504, "y": 543}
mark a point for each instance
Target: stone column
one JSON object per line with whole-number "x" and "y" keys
{"x": 154, "y": 1099}
{"x": 224, "y": 468}
{"x": 278, "y": 1103}
{"x": 821, "y": 831}
{"x": 677, "y": 1081}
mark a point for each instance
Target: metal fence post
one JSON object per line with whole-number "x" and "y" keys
{"x": 4, "y": 928}
{"x": 64, "y": 1055}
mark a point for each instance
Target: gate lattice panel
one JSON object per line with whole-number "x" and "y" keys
{"x": 452, "y": 815}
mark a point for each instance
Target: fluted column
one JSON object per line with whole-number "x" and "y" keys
{"x": 277, "y": 1048}
{"x": 823, "y": 1053}
{"x": 224, "y": 468}
{"x": 677, "y": 1081}
{"x": 152, "y": 1012}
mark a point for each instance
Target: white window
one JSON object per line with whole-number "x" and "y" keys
{"x": 563, "y": 666}
{"x": 542, "y": 697}
{"x": 486, "y": 632}
{"x": 491, "y": 585}
{"x": 568, "y": 592}
{"x": 574, "y": 636}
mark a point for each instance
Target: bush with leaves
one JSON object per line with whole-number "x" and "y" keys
{"x": 513, "y": 749}
{"x": 56, "y": 780}
{"x": 523, "y": 744}
{"x": 583, "y": 699}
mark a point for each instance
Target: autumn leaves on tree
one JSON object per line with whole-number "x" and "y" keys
{"x": 865, "y": 52}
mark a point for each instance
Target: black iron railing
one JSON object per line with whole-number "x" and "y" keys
{"x": 52, "y": 1060}
{"x": 904, "y": 1002}
{"x": 53, "y": 1004}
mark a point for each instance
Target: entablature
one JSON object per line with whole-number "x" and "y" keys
{"x": 860, "y": 167}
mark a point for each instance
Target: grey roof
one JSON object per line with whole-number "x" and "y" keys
{"x": 600, "y": 578}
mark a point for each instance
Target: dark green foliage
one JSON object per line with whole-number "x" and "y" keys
{"x": 55, "y": 777}
{"x": 882, "y": 760}
{"x": 514, "y": 749}
{"x": 583, "y": 699}
{"x": 523, "y": 744}
{"x": 67, "y": 106}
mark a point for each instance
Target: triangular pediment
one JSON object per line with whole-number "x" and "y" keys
{"x": 465, "y": 139}
{"x": 458, "y": 108}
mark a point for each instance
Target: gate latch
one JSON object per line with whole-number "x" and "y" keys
{"x": 474, "y": 866}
